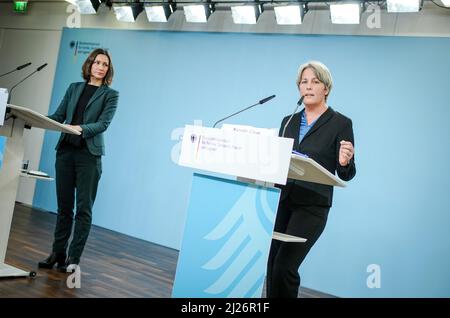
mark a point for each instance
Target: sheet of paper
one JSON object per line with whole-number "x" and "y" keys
{"x": 288, "y": 238}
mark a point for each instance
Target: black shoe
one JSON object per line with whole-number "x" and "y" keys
{"x": 50, "y": 261}
{"x": 70, "y": 265}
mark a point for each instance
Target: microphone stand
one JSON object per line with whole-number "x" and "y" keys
{"x": 300, "y": 101}
{"x": 12, "y": 88}
{"x": 262, "y": 101}
{"x": 16, "y": 69}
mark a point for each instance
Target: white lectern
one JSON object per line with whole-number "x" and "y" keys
{"x": 17, "y": 119}
{"x": 229, "y": 224}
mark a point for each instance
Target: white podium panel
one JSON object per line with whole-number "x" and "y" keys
{"x": 242, "y": 154}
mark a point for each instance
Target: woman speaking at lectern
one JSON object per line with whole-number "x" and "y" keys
{"x": 89, "y": 108}
{"x": 326, "y": 136}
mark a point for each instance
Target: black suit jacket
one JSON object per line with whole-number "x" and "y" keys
{"x": 321, "y": 143}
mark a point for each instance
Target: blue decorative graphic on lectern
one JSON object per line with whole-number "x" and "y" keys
{"x": 226, "y": 240}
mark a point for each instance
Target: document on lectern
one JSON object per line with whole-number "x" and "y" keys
{"x": 251, "y": 130}
{"x": 3, "y": 100}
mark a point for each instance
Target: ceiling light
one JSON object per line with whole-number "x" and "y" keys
{"x": 345, "y": 13}
{"x": 127, "y": 13}
{"x": 403, "y": 5}
{"x": 246, "y": 14}
{"x": 159, "y": 13}
{"x": 86, "y": 6}
{"x": 198, "y": 13}
{"x": 290, "y": 14}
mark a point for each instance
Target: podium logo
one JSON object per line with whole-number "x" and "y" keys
{"x": 177, "y": 135}
{"x": 193, "y": 138}
{"x": 238, "y": 268}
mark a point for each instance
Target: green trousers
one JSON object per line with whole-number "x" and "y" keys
{"x": 77, "y": 175}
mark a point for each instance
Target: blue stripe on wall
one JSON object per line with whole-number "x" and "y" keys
{"x": 394, "y": 214}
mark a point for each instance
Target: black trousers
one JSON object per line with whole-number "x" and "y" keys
{"x": 285, "y": 258}
{"x": 77, "y": 175}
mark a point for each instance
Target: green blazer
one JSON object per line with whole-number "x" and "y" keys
{"x": 98, "y": 114}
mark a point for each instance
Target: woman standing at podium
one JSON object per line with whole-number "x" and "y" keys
{"x": 326, "y": 136}
{"x": 89, "y": 108}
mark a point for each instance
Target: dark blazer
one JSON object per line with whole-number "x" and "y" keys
{"x": 321, "y": 143}
{"x": 98, "y": 114}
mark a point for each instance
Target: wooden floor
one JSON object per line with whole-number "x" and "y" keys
{"x": 113, "y": 264}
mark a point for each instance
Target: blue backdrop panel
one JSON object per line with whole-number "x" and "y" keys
{"x": 2, "y": 149}
{"x": 226, "y": 239}
{"x": 394, "y": 214}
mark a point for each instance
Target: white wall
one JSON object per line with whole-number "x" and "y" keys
{"x": 35, "y": 37}
{"x": 18, "y": 47}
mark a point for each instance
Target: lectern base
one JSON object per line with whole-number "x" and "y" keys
{"x": 11, "y": 271}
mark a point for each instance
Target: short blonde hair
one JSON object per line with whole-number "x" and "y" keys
{"x": 320, "y": 70}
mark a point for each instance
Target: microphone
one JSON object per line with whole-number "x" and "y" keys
{"x": 37, "y": 70}
{"x": 262, "y": 101}
{"x": 18, "y": 68}
{"x": 41, "y": 67}
{"x": 300, "y": 101}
